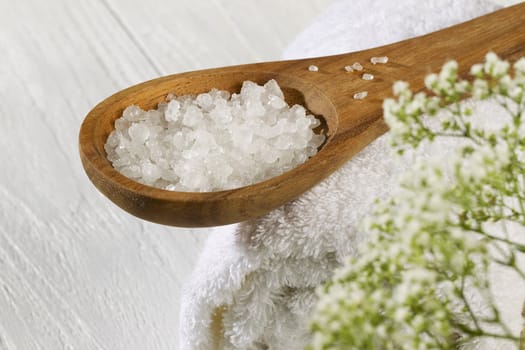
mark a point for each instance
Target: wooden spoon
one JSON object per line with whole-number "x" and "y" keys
{"x": 350, "y": 124}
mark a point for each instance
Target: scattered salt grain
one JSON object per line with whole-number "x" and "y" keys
{"x": 213, "y": 141}
{"x": 349, "y": 69}
{"x": 368, "y": 76}
{"x": 381, "y": 59}
{"x": 360, "y": 95}
{"x": 357, "y": 66}
{"x": 313, "y": 68}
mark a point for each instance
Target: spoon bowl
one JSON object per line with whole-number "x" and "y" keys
{"x": 349, "y": 124}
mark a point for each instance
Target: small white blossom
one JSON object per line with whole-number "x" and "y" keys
{"x": 516, "y": 93}
{"x": 480, "y": 89}
{"x": 519, "y": 66}
{"x": 462, "y": 86}
{"x": 431, "y": 81}
{"x": 405, "y": 289}
{"x": 449, "y": 69}
{"x": 477, "y": 70}
{"x": 400, "y": 87}
{"x": 494, "y": 66}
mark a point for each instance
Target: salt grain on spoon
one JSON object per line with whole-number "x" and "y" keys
{"x": 313, "y": 68}
{"x": 357, "y": 66}
{"x": 213, "y": 141}
{"x": 381, "y": 59}
{"x": 360, "y": 95}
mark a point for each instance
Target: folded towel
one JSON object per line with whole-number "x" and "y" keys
{"x": 261, "y": 274}
{"x": 253, "y": 287}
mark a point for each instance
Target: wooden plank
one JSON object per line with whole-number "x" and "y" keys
{"x": 188, "y": 35}
{"x": 75, "y": 271}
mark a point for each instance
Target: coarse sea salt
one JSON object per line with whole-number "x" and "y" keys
{"x": 360, "y": 95}
{"x": 367, "y": 76}
{"x": 357, "y": 66}
{"x": 313, "y": 68}
{"x": 213, "y": 141}
{"x": 381, "y": 59}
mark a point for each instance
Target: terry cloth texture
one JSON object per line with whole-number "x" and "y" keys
{"x": 253, "y": 287}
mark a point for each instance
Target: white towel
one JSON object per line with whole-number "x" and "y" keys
{"x": 253, "y": 287}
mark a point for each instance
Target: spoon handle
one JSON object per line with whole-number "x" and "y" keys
{"x": 351, "y": 124}
{"x": 502, "y": 32}
{"x": 354, "y": 123}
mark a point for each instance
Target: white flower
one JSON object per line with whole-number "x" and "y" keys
{"x": 501, "y": 68}
{"x": 480, "y": 89}
{"x": 519, "y": 66}
{"x": 415, "y": 105}
{"x": 401, "y": 314}
{"x": 429, "y": 237}
{"x": 449, "y": 69}
{"x": 400, "y": 88}
{"x": 390, "y": 106}
{"x": 516, "y": 93}
{"x": 494, "y": 66}
{"x": 491, "y": 57}
{"x": 476, "y": 70}
{"x": 396, "y": 126}
{"x": 501, "y": 155}
{"x": 462, "y": 86}
{"x": 431, "y": 81}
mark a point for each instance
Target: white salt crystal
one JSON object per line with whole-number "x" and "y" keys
{"x": 154, "y": 118}
{"x": 349, "y": 69}
{"x": 121, "y": 162}
{"x": 317, "y": 140}
{"x": 298, "y": 111}
{"x": 270, "y": 155}
{"x": 222, "y": 112}
{"x": 381, "y": 59}
{"x": 213, "y": 141}
{"x": 132, "y": 113}
{"x": 367, "y": 76}
{"x": 172, "y": 111}
{"x": 314, "y": 122}
{"x": 220, "y": 94}
{"x": 283, "y": 142}
{"x": 171, "y": 187}
{"x": 302, "y": 124}
{"x": 112, "y": 141}
{"x": 272, "y": 88}
{"x": 360, "y": 95}
{"x": 192, "y": 117}
{"x": 139, "y": 133}
{"x": 357, "y": 66}
{"x": 300, "y": 158}
{"x": 251, "y": 91}
{"x": 276, "y": 102}
{"x": 205, "y": 101}
{"x": 254, "y": 108}
{"x": 150, "y": 172}
{"x": 313, "y": 68}
{"x": 122, "y": 124}
{"x": 177, "y": 139}
{"x": 132, "y": 171}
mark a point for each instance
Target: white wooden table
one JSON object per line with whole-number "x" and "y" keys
{"x": 76, "y": 272}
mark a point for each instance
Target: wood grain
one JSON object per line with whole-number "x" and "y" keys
{"x": 76, "y": 272}
{"x": 352, "y": 124}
